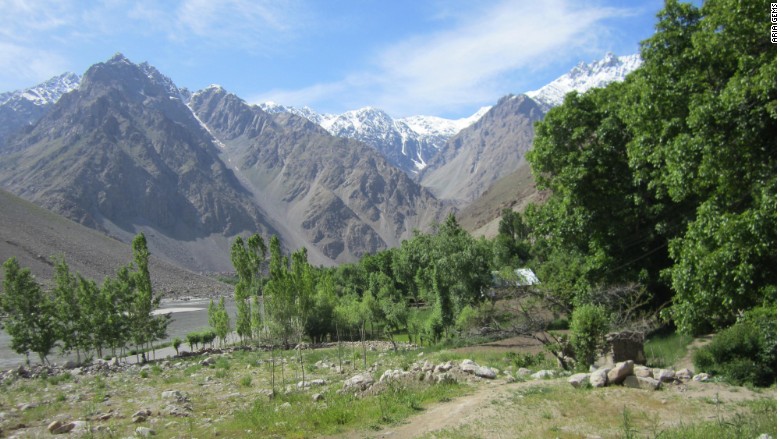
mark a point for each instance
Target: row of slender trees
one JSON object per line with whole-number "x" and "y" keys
{"x": 78, "y": 315}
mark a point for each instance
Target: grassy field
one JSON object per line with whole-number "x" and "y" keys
{"x": 230, "y": 396}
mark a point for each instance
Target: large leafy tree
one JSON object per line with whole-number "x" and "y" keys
{"x": 669, "y": 178}
{"x": 28, "y": 312}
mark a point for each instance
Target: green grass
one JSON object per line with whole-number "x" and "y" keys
{"x": 666, "y": 350}
{"x": 760, "y": 418}
{"x": 337, "y": 413}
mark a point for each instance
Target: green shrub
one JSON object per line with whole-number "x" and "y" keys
{"x": 589, "y": 326}
{"x": 745, "y": 352}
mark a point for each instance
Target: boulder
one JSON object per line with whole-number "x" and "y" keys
{"x": 522, "y": 372}
{"x": 643, "y": 371}
{"x": 144, "y": 432}
{"x": 543, "y": 374}
{"x": 663, "y": 375}
{"x": 701, "y": 377}
{"x": 684, "y": 374}
{"x": 485, "y": 372}
{"x": 617, "y": 374}
{"x": 599, "y": 378}
{"x": 646, "y": 383}
{"x": 579, "y": 379}
{"x": 59, "y": 427}
{"x": 359, "y": 382}
{"x": 468, "y": 366}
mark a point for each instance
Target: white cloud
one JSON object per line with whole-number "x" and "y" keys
{"x": 22, "y": 66}
{"x": 468, "y": 63}
{"x": 247, "y": 24}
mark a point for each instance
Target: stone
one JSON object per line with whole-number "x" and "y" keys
{"x": 174, "y": 394}
{"x": 599, "y": 378}
{"x": 701, "y": 377}
{"x": 643, "y": 371}
{"x": 59, "y": 427}
{"x": 284, "y": 406}
{"x": 543, "y": 374}
{"x": 646, "y": 383}
{"x": 468, "y": 366}
{"x": 684, "y": 374}
{"x": 522, "y": 372}
{"x": 579, "y": 380}
{"x": 317, "y": 397}
{"x": 145, "y": 432}
{"x": 137, "y": 419}
{"x": 664, "y": 375}
{"x": 360, "y": 381}
{"x": 485, "y": 372}
{"x": 617, "y": 374}
{"x": 445, "y": 378}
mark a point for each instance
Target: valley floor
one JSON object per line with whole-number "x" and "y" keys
{"x": 226, "y": 394}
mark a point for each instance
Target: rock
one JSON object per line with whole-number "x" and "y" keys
{"x": 468, "y": 366}
{"x": 446, "y": 378}
{"x": 443, "y": 367}
{"x": 684, "y": 374}
{"x": 617, "y": 374}
{"x": 284, "y": 406}
{"x": 579, "y": 380}
{"x": 522, "y": 372}
{"x": 599, "y": 378}
{"x": 543, "y": 374}
{"x": 174, "y": 395}
{"x": 142, "y": 412}
{"x": 317, "y": 397}
{"x": 59, "y": 427}
{"x": 137, "y": 419}
{"x": 208, "y": 362}
{"x": 485, "y": 372}
{"x": 701, "y": 377}
{"x": 663, "y": 375}
{"x": 70, "y": 364}
{"x": 145, "y": 432}
{"x": 360, "y": 382}
{"x": 643, "y": 371}
{"x": 646, "y": 383}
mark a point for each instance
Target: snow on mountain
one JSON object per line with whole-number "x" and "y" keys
{"x": 152, "y": 73}
{"x": 45, "y": 93}
{"x": 583, "y": 77}
{"x": 407, "y": 142}
{"x": 437, "y": 126}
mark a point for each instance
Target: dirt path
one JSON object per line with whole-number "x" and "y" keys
{"x": 485, "y": 401}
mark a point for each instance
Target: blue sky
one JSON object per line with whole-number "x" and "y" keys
{"x": 443, "y": 58}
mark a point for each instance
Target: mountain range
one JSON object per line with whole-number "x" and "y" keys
{"x": 122, "y": 149}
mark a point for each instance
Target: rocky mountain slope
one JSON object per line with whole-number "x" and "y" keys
{"x": 482, "y": 153}
{"x": 124, "y": 153}
{"x": 36, "y": 236}
{"x": 408, "y": 143}
{"x": 22, "y": 108}
{"x": 121, "y": 154}
{"x": 338, "y": 196}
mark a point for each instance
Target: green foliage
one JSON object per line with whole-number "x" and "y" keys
{"x": 28, "y": 312}
{"x": 668, "y": 178}
{"x": 745, "y": 352}
{"x": 589, "y": 327}
{"x": 176, "y": 343}
{"x": 664, "y": 350}
{"x": 219, "y": 320}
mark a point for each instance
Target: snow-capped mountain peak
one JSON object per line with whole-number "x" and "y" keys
{"x": 583, "y": 77}
{"x": 45, "y": 93}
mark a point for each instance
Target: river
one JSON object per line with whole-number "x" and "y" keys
{"x": 187, "y": 316}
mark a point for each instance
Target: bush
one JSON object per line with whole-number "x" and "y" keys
{"x": 589, "y": 326}
{"x": 744, "y": 353}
